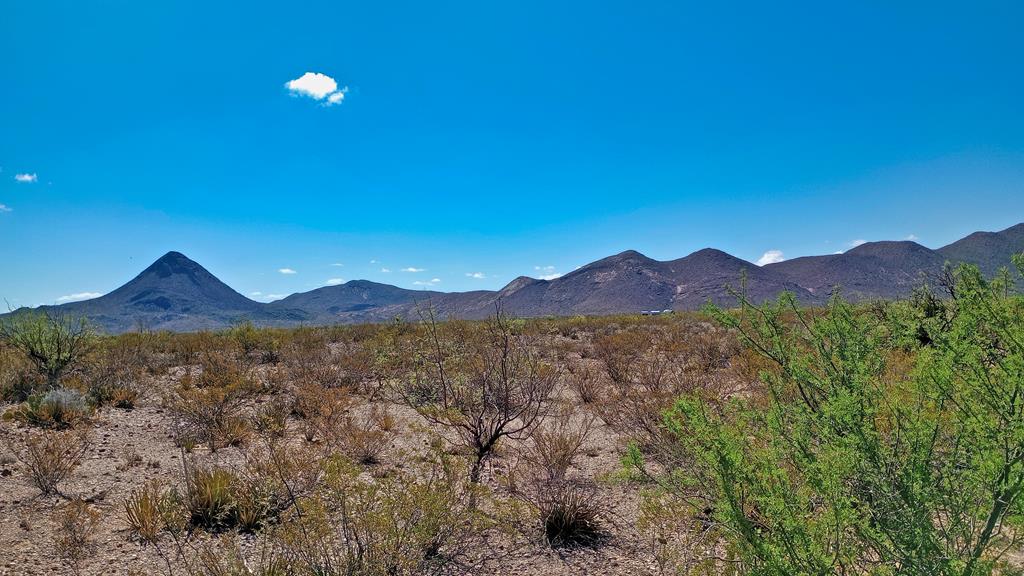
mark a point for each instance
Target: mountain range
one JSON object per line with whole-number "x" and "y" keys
{"x": 176, "y": 293}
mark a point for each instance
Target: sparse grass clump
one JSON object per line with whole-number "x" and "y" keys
{"x": 74, "y": 538}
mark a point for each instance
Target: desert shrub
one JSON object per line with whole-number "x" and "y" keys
{"x": 50, "y": 457}
{"x": 73, "y": 540}
{"x": 848, "y": 466}
{"x": 322, "y": 410}
{"x": 59, "y": 408}
{"x": 271, "y": 417}
{"x": 361, "y": 438}
{"x": 585, "y": 380}
{"x": 557, "y": 443}
{"x": 207, "y": 407}
{"x": 485, "y": 382}
{"x": 18, "y": 379}
{"x": 401, "y": 524}
{"x": 52, "y": 342}
{"x": 115, "y": 376}
{"x": 309, "y": 361}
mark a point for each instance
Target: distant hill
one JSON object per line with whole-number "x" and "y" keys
{"x": 871, "y": 270}
{"x": 176, "y": 293}
{"x": 989, "y": 250}
{"x": 173, "y": 293}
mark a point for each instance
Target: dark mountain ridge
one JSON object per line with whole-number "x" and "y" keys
{"x": 176, "y": 293}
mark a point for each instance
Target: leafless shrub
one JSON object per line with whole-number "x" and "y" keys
{"x": 51, "y": 456}
{"x": 485, "y": 384}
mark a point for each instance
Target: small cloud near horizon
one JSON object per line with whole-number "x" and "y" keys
{"x": 912, "y": 237}
{"x": 286, "y": 271}
{"x": 413, "y": 269}
{"x": 431, "y": 282}
{"x": 857, "y": 242}
{"x": 26, "y": 178}
{"x": 257, "y": 295}
{"x": 79, "y": 296}
{"x": 547, "y": 272}
{"x": 770, "y": 257}
{"x": 337, "y": 264}
{"x": 476, "y": 275}
{"x": 5, "y": 208}
{"x": 385, "y": 270}
{"x": 334, "y": 281}
{"x": 317, "y": 86}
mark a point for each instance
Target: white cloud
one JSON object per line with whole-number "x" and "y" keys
{"x": 318, "y": 87}
{"x": 770, "y": 257}
{"x": 337, "y": 97}
{"x": 5, "y": 208}
{"x": 912, "y": 238}
{"x": 79, "y": 296}
{"x": 477, "y": 275}
{"x": 431, "y": 282}
{"x": 858, "y": 242}
{"x": 413, "y": 269}
{"x": 334, "y": 281}
{"x": 337, "y": 264}
{"x": 26, "y": 178}
{"x": 286, "y": 271}
{"x": 257, "y": 295}
{"x": 373, "y": 262}
{"x": 547, "y": 272}
{"x": 385, "y": 270}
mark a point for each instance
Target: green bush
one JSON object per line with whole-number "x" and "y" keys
{"x": 850, "y": 463}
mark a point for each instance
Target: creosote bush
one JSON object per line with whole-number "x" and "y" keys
{"x": 847, "y": 465}
{"x": 51, "y": 341}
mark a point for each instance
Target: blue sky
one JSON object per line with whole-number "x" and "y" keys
{"x": 492, "y": 139}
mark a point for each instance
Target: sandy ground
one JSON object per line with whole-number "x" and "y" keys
{"x": 27, "y": 527}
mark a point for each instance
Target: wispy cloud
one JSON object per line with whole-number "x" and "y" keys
{"x": 317, "y": 86}
{"x": 5, "y": 208}
{"x": 79, "y": 296}
{"x": 431, "y": 282}
{"x": 476, "y": 275}
{"x": 770, "y": 257}
{"x": 547, "y": 272}
{"x": 286, "y": 271}
{"x": 26, "y": 178}
{"x": 334, "y": 281}
{"x": 857, "y": 242}
{"x": 257, "y": 295}
{"x": 912, "y": 237}
{"x": 413, "y": 269}
{"x": 385, "y": 270}
{"x": 337, "y": 264}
